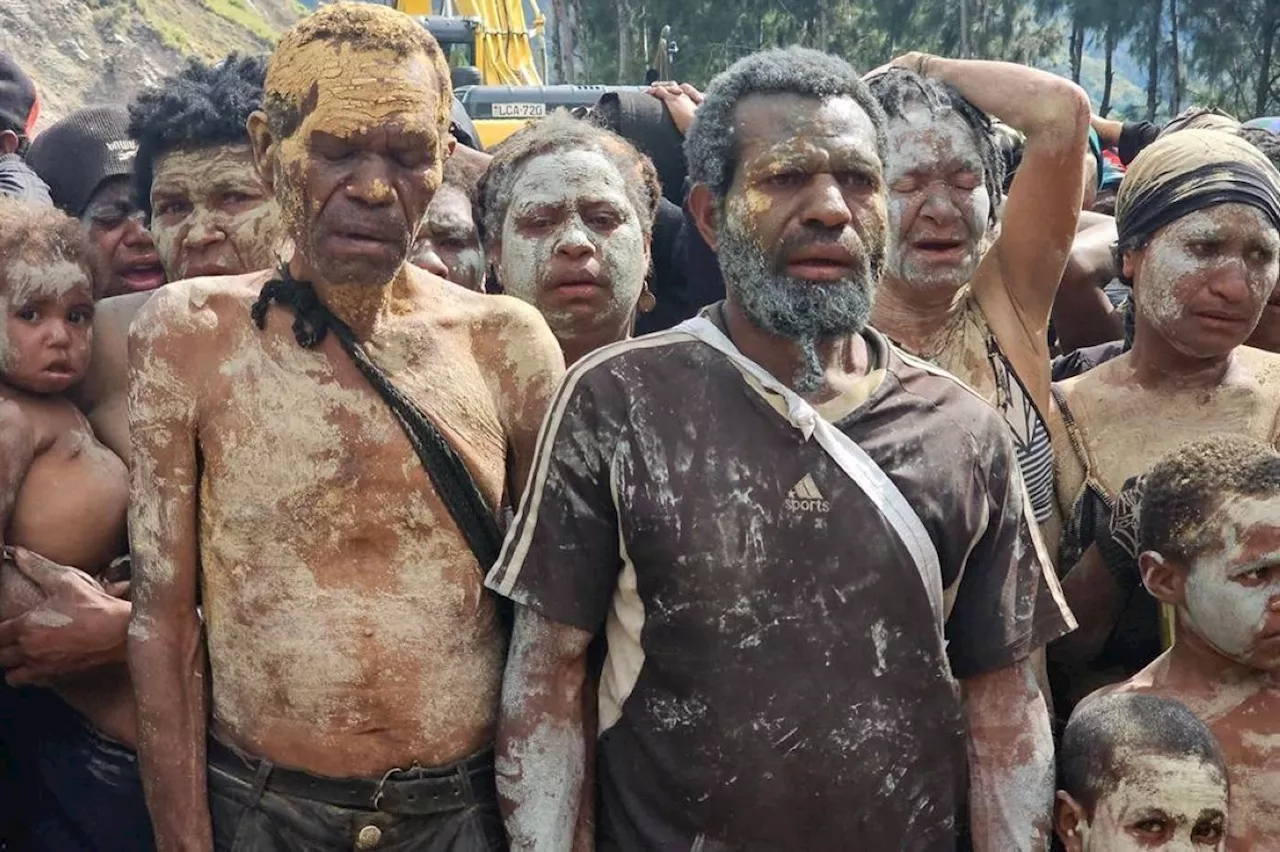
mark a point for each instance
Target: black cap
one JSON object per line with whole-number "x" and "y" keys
{"x": 82, "y": 150}
{"x": 19, "y": 102}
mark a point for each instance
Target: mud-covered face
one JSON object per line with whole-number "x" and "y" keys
{"x": 1202, "y": 281}
{"x": 211, "y": 214}
{"x": 1163, "y": 802}
{"x": 1232, "y": 592}
{"x": 939, "y": 206}
{"x": 572, "y": 243}
{"x": 802, "y": 231}
{"x": 355, "y": 178}
{"x": 48, "y": 328}
{"x": 124, "y": 255}
{"x": 448, "y": 243}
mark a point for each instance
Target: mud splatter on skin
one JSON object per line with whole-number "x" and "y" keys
{"x": 1232, "y": 590}
{"x": 374, "y": 132}
{"x": 47, "y": 311}
{"x": 1224, "y": 260}
{"x": 449, "y": 238}
{"x": 936, "y": 194}
{"x": 1166, "y": 802}
{"x": 212, "y": 214}
{"x": 571, "y": 221}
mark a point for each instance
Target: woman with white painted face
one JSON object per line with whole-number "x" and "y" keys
{"x": 567, "y": 210}
{"x": 1198, "y": 218}
{"x": 955, "y": 292}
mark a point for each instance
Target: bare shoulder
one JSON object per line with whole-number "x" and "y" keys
{"x": 17, "y": 428}
{"x": 195, "y": 308}
{"x": 1263, "y": 366}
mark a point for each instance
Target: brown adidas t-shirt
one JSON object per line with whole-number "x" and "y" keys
{"x": 774, "y": 676}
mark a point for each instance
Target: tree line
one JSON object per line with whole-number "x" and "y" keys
{"x": 1218, "y": 53}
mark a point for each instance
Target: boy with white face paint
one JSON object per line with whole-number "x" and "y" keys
{"x": 1209, "y": 537}
{"x": 1140, "y": 772}
{"x": 568, "y": 212}
{"x": 953, "y": 293}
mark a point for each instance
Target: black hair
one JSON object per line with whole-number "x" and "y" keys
{"x": 712, "y": 145}
{"x": 1188, "y": 485}
{"x": 898, "y": 88}
{"x": 1106, "y": 732}
{"x": 201, "y": 106}
{"x": 557, "y": 133}
{"x": 464, "y": 173}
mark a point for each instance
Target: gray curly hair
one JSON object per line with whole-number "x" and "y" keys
{"x": 711, "y": 147}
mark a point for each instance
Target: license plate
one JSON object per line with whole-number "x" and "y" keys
{"x": 519, "y": 110}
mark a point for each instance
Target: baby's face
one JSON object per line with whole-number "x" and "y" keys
{"x": 48, "y": 330}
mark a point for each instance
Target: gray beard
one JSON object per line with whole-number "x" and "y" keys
{"x": 801, "y": 311}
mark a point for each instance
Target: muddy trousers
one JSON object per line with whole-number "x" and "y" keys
{"x": 257, "y": 807}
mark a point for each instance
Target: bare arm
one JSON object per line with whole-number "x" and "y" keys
{"x": 533, "y": 365}
{"x": 544, "y": 781}
{"x": 1082, "y": 313}
{"x": 1010, "y": 760}
{"x": 1018, "y": 279}
{"x": 17, "y": 449}
{"x": 166, "y": 650}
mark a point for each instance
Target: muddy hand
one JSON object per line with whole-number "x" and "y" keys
{"x": 79, "y": 625}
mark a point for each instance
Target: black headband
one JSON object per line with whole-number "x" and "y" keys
{"x": 1205, "y": 186}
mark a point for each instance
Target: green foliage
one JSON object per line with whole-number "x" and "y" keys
{"x": 242, "y": 13}
{"x": 1227, "y": 48}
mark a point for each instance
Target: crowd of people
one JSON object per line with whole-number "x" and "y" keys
{"x": 838, "y": 461}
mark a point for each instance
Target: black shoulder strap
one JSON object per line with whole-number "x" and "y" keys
{"x": 448, "y": 473}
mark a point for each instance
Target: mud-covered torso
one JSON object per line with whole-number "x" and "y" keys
{"x": 72, "y": 504}
{"x": 348, "y": 630}
{"x": 1243, "y": 717}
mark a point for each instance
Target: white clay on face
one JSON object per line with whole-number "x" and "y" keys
{"x": 1169, "y": 261}
{"x": 570, "y": 180}
{"x": 1225, "y": 612}
{"x": 923, "y": 151}
{"x": 26, "y": 282}
{"x": 1181, "y": 788}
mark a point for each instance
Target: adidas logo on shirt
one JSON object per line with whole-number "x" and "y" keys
{"x": 804, "y": 496}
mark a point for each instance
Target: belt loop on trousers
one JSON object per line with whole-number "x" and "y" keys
{"x": 464, "y": 778}
{"x": 260, "y": 778}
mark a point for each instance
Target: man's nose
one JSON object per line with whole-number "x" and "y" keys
{"x": 426, "y": 257}
{"x": 370, "y": 183}
{"x": 826, "y": 205}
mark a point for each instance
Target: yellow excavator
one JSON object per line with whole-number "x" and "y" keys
{"x": 498, "y": 52}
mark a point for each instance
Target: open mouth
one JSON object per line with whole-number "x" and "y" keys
{"x": 941, "y": 248}
{"x": 821, "y": 263}
{"x": 144, "y": 276}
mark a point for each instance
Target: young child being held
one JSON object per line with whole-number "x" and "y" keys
{"x": 1139, "y": 772}
{"x": 1209, "y": 546}
{"x": 63, "y": 495}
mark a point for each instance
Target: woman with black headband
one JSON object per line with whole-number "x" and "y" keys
{"x": 1198, "y": 219}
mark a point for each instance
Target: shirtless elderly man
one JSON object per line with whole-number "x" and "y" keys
{"x": 766, "y": 515}
{"x": 280, "y": 421}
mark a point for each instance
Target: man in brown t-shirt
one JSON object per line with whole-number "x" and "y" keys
{"x": 762, "y": 519}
